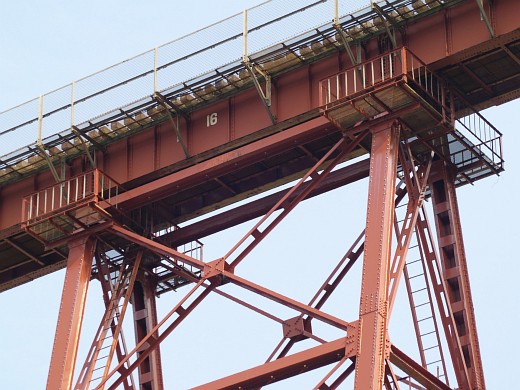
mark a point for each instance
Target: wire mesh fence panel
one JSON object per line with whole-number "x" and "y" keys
{"x": 114, "y": 87}
{"x": 56, "y": 111}
{"x": 19, "y": 126}
{"x": 199, "y": 52}
{"x": 347, "y": 7}
{"x": 276, "y": 21}
{"x": 101, "y": 95}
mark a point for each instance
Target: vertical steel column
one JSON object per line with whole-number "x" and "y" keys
{"x": 373, "y": 308}
{"x": 145, "y": 318}
{"x": 70, "y": 317}
{"x": 455, "y": 271}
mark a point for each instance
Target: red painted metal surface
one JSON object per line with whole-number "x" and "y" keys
{"x": 244, "y": 114}
{"x": 145, "y": 319}
{"x": 328, "y": 112}
{"x": 373, "y": 306}
{"x": 68, "y": 330}
{"x": 455, "y": 273}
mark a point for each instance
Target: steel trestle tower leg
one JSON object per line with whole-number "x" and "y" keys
{"x": 145, "y": 319}
{"x": 70, "y": 316}
{"x": 373, "y": 308}
{"x": 455, "y": 274}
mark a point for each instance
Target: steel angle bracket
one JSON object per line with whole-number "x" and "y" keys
{"x": 265, "y": 96}
{"x": 82, "y": 137}
{"x": 343, "y": 36}
{"x": 388, "y": 22}
{"x": 41, "y": 151}
{"x": 169, "y": 106}
{"x": 355, "y": 59}
{"x": 485, "y": 18}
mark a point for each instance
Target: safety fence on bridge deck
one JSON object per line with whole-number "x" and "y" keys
{"x": 193, "y": 69}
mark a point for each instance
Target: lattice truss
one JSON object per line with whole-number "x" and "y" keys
{"x": 431, "y": 273}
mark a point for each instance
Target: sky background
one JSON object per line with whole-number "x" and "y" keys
{"x": 46, "y": 45}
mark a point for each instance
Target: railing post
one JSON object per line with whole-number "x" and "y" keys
{"x": 244, "y": 38}
{"x": 404, "y": 63}
{"x": 24, "y": 210}
{"x": 96, "y": 184}
{"x": 442, "y": 87}
{"x": 40, "y": 120}
{"x": 452, "y": 110}
{"x": 154, "y": 71}
{"x": 72, "y": 105}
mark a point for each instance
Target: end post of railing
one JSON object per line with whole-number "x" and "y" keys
{"x": 96, "y": 184}
{"x": 72, "y": 98}
{"x": 404, "y": 63}
{"x": 244, "y": 37}
{"x": 452, "y": 108}
{"x": 500, "y": 146}
{"x": 442, "y": 86}
{"x": 322, "y": 94}
{"x": 154, "y": 71}
{"x": 40, "y": 121}
{"x": 25, "y": 217}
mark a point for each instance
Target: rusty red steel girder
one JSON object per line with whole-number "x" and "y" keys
{"x": 366, "y": 346}
{"x": 373, "y": 307}
{"x": 455, "y": 274}
{"x": 383, "y": 167}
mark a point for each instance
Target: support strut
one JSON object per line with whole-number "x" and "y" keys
{"x": 370, "y": 359}
{"x": 70, "y": 317}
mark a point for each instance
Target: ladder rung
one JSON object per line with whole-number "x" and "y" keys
{"x": 426, "y": 334}
{"x": 415, "y": 276}
{"x": 413, "y": 246}
{"x": 427, "y": 349}
{"x": 103, "y": 357}
{"x": 436, "y": 361}
{"x": 421, "y": 289}
{"x": 424, "y": 319}
{"x": 422, "y": 304}
{"x": 414, "y": 261}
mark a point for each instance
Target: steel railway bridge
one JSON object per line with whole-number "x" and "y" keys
{"x": 133, "y": 166}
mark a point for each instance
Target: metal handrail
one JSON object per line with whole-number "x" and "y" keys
{"x": 484, "y": 138}
{"x": 92, "y": 184}
{"x": 361, "y": 77}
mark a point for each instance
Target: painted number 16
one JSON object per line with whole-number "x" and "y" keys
{"x": 211, "y": 119}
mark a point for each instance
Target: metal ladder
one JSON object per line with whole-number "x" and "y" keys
{"x": 423, "y": 311}
{"x": 117, "y": 286}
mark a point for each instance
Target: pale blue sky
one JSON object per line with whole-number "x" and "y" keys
{"x": 46, "y": 45}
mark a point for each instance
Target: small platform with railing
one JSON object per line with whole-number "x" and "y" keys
{"x": 70, "y": 207}
{"x": 435, "y": 117}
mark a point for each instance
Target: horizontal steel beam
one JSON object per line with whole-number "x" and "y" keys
{"x": 198, "y": 173}
{"x": 283, "y": 368}
{"x": 247, "y": 212}
{"x": 415, "y": 370}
